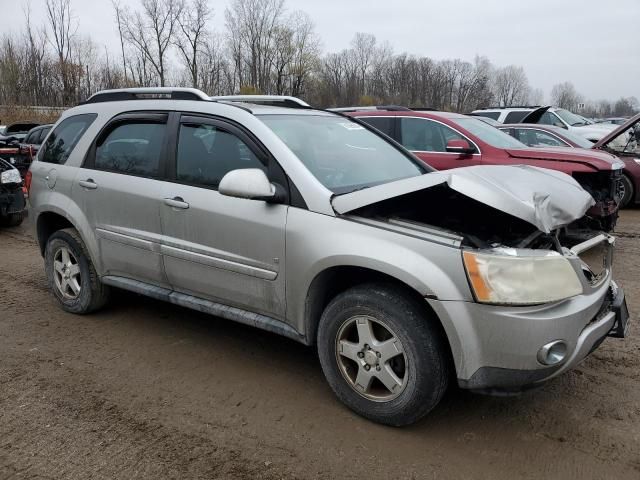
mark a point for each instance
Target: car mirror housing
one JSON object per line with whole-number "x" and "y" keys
{"x": 249, "y": 183}
{"x": 460, "y": 146}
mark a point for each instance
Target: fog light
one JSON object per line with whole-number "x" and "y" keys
{"x": 553, "y": 353}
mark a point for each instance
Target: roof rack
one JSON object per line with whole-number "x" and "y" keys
{"x": 269, "y": 100}
{"x": 510, "y": 106}
{"x": 153, "y": 93}
{"x": 388, "y": 108}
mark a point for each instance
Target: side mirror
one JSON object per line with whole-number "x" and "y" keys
{"x": 459, "y": 146}
{"x": 250, "y": 183}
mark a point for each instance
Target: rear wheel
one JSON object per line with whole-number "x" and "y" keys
{"x": 71, "y": 275}
{"x": 382, "y": 354}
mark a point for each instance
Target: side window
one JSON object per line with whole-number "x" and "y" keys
{"x": 132, "y": 148}
{"x": 207, "y": 153}
{"x": 64, "y": 138}
{"x": 515, "y": 117}
{"x": 538, "y": 138}
{"x": 420, "y": 134}
{"x": 384, "y": 124}
{"x": 493, "y": 115}
{"x": 31, "y": 138}
{"x": 549, "y": 118}
{"x": 42, "y": 136}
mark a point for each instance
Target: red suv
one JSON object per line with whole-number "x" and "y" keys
{"x": 449, "y": 140}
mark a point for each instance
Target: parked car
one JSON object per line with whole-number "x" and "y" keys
{"x": 448, "y": 140}
{"x": 11, "y": 137}
{"x": 558, "y": 117}
{"x": 29, "y": 146}
{"x": 614, "y": 120}
{"x": 12, "y": 203}
{"x": 535, "y": 135}
{"x": 318, "y": 227}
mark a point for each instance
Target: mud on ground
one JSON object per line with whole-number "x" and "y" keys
{"x": 149, "y": 390}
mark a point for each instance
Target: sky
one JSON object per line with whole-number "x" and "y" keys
{"x": 592, "y": 43}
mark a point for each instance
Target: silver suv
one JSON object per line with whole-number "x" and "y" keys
{"x": 314, "y": 226}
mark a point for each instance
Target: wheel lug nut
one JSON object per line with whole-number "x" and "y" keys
{"x": 360, "y": 354}
{"x": 367, "y": 368}
{"x": 366, "y": 346}
{"x": 378, "y": 368}
{"x": 378, "y": 354}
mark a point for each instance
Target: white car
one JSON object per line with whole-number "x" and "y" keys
{"x": 558, "y": 117}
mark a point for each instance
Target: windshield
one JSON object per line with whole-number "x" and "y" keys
{"x": 488, "y": 134}
{"x": 343, "y": 155}
{"x": 571, "y": 118}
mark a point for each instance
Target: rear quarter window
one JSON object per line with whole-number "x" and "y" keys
{"x": 65, "y": 137}
{"x": 515, "y": 117}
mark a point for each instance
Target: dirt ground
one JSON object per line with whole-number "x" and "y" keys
{"x": 145, "y": 389}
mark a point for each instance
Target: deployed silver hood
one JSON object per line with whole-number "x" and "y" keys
{"x": 545, "y": 198}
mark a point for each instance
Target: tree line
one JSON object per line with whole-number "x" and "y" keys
{"x": 264, "y": 47}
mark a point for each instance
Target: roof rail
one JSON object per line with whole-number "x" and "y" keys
{"x": 387, "y": 108}
{"x": 510, "y": 106}
{"x": 270, "y": 100}
{"x": 152, "y": 93}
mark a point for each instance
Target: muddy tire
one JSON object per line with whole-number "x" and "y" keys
{"x": 12, "y": 219}
{"x": 71, "y": 275}
{"x": 382, "y": 354}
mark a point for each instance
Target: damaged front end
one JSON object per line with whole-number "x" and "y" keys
{"x": 488, "y": 206}
{"x": 541, "y": 304}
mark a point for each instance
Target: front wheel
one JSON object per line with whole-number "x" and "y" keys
{"x": 382, "y": 354}
{"x": 626, "y": 192}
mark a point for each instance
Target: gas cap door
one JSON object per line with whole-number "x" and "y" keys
{"x": 51, "y": 178}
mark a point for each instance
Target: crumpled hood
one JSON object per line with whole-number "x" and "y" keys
{"x": 545, "y": 198}
{"x": 595, "y": 159}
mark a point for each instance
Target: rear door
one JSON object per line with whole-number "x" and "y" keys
{"x": 120, "y": 190}
{"x": 229, "y": 250}
{"x": 428, "y": 138}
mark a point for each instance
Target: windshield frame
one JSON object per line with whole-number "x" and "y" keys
{"x": 422, "y": 167}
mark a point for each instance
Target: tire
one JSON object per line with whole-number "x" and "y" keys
{"x": 629, "y": 192}
{"x": 12, "y": 219}
{"x": 424, "y": 353}
{"x": 91, "y": 294}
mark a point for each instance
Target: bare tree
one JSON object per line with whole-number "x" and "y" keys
{"x": 151, "y": 33}
{"x": 564, "y": 95}
{"x": 62, "y": 30}
{"x": 119, "y": 13}
{"x": 192, "y": 36}
{"x": 511, "y": 86}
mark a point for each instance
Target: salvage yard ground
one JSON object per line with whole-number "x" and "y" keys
{"x": 145, "y": 389}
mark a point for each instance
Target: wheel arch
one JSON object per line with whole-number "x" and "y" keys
{"x": 332, "y": 281}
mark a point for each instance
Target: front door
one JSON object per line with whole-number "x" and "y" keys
{"x": 427, "y": 139}
{"x": 225, "y": 249}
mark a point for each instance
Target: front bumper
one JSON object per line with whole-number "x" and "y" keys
{"x": 11, "y": 201}
{"x": 495, "y": 348}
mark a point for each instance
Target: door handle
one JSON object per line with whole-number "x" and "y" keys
{"x": 89, "y": 184}
{"x": 176, "y": 202}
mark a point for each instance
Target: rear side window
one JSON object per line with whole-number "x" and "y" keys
{"x": 515, "y": 117}
{"x": 64, "y": 138}
{"x": 383, "y": 124}
{"x": 132, "y": 148}
{"x": 42, "y": 136}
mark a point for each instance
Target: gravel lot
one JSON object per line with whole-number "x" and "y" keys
{"x": 145, "y": 389}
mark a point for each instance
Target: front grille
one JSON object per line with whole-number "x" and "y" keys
{"x": 602, "y": 185}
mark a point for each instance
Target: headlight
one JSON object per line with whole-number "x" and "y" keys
{"x": 520, "y": 280}
{"x": 10, "y": 176}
